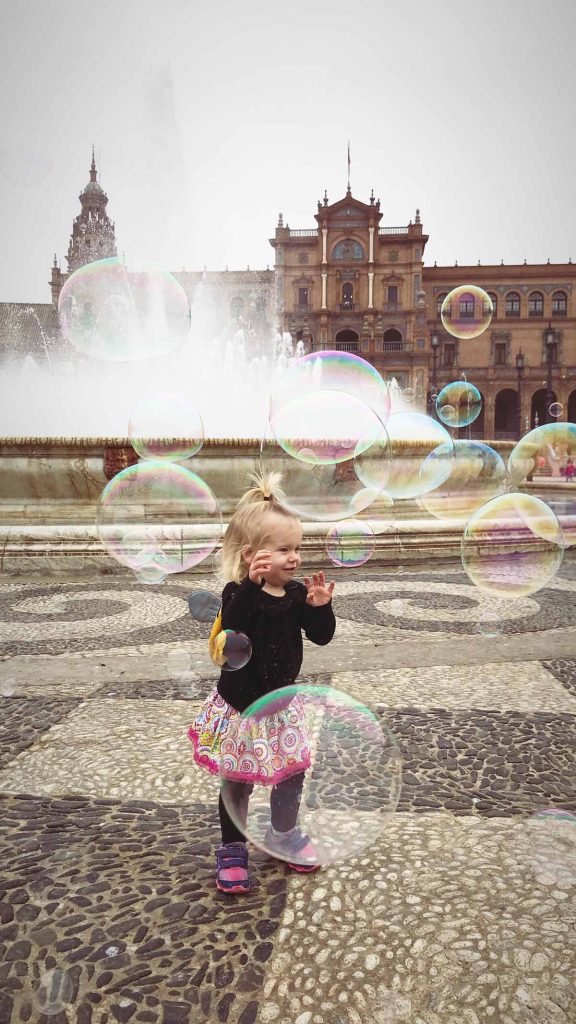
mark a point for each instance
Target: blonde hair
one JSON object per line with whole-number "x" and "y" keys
{"x": 250, "y": 524}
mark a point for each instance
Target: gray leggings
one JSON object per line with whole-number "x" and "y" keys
{"x": 284, "y": 807}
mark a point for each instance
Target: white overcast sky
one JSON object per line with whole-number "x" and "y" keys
{"x": 210, "y": 118}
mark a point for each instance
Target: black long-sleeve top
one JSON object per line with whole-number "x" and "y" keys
{"x": 274, "y": 626}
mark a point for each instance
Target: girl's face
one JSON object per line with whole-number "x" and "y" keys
{"x": 283, "y": 541}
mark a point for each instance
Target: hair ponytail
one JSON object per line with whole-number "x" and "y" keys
{"x": 249, "y": 522}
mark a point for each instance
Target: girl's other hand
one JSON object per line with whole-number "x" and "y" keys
{"x": 260, "y": 565}
{"x": 319, "y": 592}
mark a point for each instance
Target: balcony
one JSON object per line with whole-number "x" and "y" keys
{"x": 392, "y": 231}
{"x": 392, "y": 307}
{"x": 395, "y": 346}
{"x": 349, "y": 307}
{"x": 303, "y": 308}
{"x": 559, "y": 313}
{"x": 512, "y": 312}
{"x": 346, "y": 346}
{"x": 306, "y": 233}
{"x": 536, "y": 313}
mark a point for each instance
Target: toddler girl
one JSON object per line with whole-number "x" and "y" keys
{"x": 260, "y": 555}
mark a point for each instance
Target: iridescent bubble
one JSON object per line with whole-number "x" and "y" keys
{"x": 350, "y": 543}
{"x": 166, "y": 426}
{"x": 477, "y": 474}
{"x": 466, "y": 311}
{"x": 459, "y": 404}
{"x": 489, "y": 624}
{"x": 231, "y": 650}
{"x": 556, "y": 410}
{"x": 343, "y": 372}
{"x": 150, "y": 574}
{"x": 178, "y": 660}
{"x": 396, "y": 606}
{"x": 325, "y": 492}
{"x": 408, "y": 394}
{"x": 331, "y": 737}
{"x": 54, "y": 992}
{"x": 545, "y": 457}
{"x": 109, "y": 310}
{"x": 7, "y": 686}
{"x": 325, "y": 427}
{"x": 512, "y": 546}
{"x": 158, "y": 516}
{"x": 400, "y": 468}
{"x": 552, "y": 846}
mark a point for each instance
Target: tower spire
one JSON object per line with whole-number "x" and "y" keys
{"x": 92, "y": 231}
{"x": 348, "y": 192}
{"x": 93, "y": 166}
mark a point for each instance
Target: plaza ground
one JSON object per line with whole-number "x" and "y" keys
{"x": 462, "y": 912}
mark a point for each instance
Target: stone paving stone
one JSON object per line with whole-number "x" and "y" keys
{"x": 24, "y": 722}
{"x": 121, "y": 897}
{"x": 564, "y": 669}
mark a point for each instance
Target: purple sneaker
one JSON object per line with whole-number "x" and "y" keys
{"x": 296, "y": 844}
{"x": 232, "y": 868}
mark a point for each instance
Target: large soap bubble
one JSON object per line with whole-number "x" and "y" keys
{"x": 166, "y": 426}
{"x": 158, "y": 515}
{"x": 231, "y": 650}
{"x": 466, "y": 311}
{"x": 350, "y": 543}
{"x": 541, "y": 458}
{"x": 407, "y": 472}
{"x": 459, "y": 404}
{"x": 352, "y": 778}
{"x": 512, "y": 546}
{"x": 326, "y": 492}
{"x": 321, "y": 427}
{"x": 477, "y": 474}
{"x": 343, "y": 372}
{"x": 110, "y": 310}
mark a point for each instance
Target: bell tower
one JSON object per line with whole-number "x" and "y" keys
{"x": 92, "y": 235}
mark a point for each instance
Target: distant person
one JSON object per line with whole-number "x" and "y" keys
{"x": 260, "y": 555}
{"x": 569, "y": 471}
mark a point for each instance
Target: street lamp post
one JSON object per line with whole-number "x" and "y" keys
{"x": 550, "y": 341}
{"x": 520, "y": 360}
{"x": 435, "y": 343}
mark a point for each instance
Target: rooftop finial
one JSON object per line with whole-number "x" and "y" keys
{"x": 280, "y": 221}
{"x": 372, "y": 200}
{"x": 93, "y": 166}
{"x": 417, "y": 219}
{"x": 325, "y": 197}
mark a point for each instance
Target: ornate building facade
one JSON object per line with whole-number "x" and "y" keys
{"x": 355, "y": 284}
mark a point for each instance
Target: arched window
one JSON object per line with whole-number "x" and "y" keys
{"x": 393, "y": 340}
{"x": 466, "y": 306}
{"x": 346, "y": 341}
{"x": 348, "y": 250}
{"x": 439, "y": 302}
{"x": 236, "y": 307}
{"x": 536, "y": 304}
{"x": 347, "y": 296}
{"x": 513, "y": 304}
{"x": 494, "y": 300}
{"x": 559, "y": 304}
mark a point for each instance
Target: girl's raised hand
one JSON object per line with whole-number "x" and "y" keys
{"x": 260, "y": 565}
{"x": 319, "y": 592}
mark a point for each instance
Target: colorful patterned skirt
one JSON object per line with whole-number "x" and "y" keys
{"x": 264, "y": 750}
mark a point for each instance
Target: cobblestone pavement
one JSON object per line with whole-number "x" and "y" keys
{"x": 462, "y": 911}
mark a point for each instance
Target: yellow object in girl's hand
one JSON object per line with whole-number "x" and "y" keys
{"x": 217, "y": 640}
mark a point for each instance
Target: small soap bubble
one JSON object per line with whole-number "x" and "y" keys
{"x": 54, "y": 992}
{"x": 459, "y": 404}
{"x": 7, "y": 687}
{"x": 350, "y": 543}
{"x": 166, "y": 426}
{"x": 466, "y": 311}
{"x": 178, "y": 660}
{"x": 231, "y": 650}
{"x": 150, "y": 574}
{"x": 396, "y": 606}
{"x": 556, "y": 410}
{"x": 489, "y": 624}
{"x": 552, "y": 846}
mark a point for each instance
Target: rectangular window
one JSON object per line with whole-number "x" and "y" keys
{"x": 302, "y": 296}
{"x": 449, "y": 354}
{"x": 392, "y": 293}
{"x": 500, "y": 353}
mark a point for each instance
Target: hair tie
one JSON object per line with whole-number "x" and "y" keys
{"x": 267, "y": 497}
